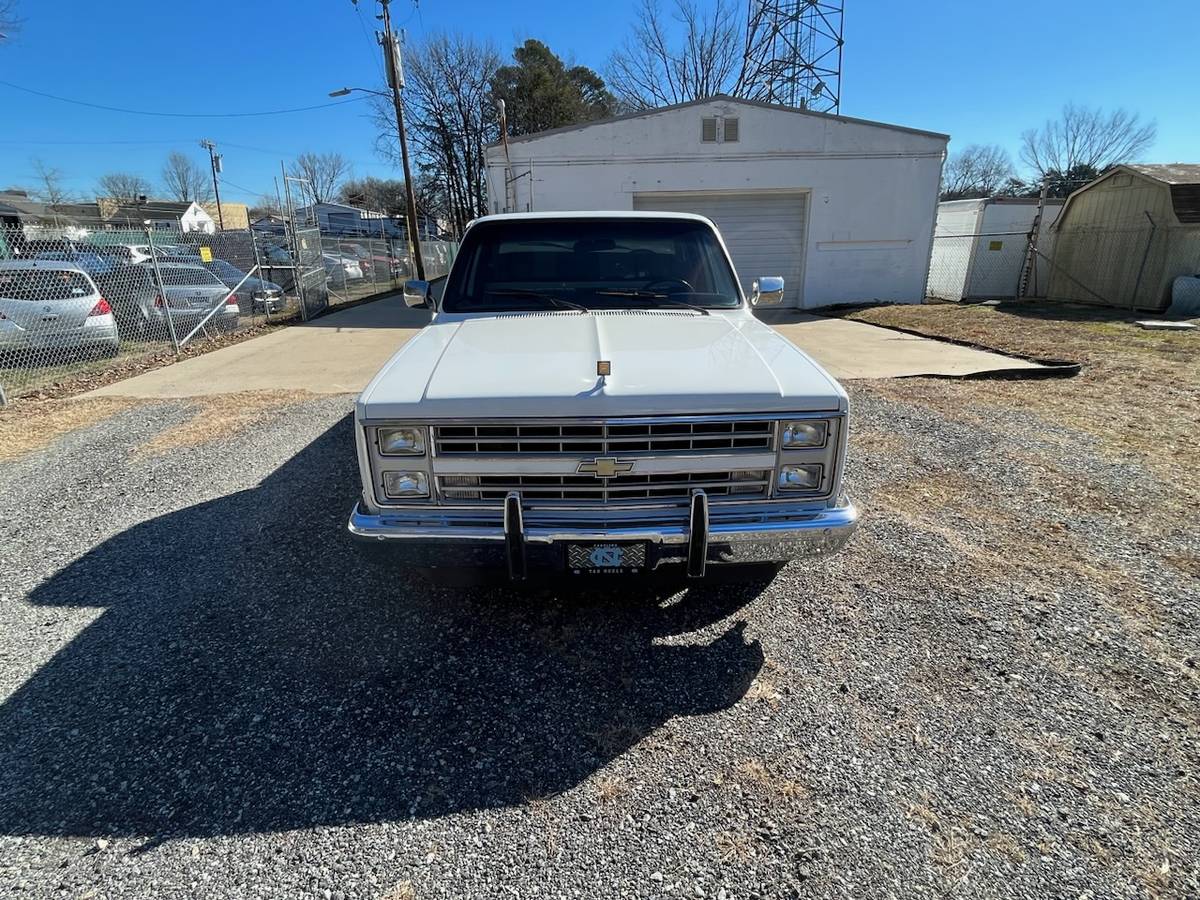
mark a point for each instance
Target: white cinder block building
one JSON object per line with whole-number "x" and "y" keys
{"x": 842, "y": 208}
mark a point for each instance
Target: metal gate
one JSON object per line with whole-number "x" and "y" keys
{"x": 311, "y": 283}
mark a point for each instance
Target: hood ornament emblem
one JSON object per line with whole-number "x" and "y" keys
{"x": 603, "y": 369}
{"x": 605, "y": 467}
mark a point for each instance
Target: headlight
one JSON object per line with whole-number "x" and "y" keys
{"x": 799, "y": 478}
{"x": 404, "y": 440}
{"x": 398, "y": 485}
{"x": 804, "y": 434}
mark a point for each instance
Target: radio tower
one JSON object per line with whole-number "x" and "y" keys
{"x": 794, "y": 52}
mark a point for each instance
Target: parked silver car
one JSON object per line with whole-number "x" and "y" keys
{"x": 253, "y": 293}
{"x": 48, "y": 305}
{"x": 191, "y": 292}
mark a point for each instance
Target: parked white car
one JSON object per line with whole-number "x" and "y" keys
{"x": 340, "y": 269}
{"x": 595, "y": 395}
{"x": 47, "y": 305}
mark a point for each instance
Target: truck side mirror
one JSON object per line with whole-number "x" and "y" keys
{"x": 767, "y": 291}
{"x": 417, "y": 294}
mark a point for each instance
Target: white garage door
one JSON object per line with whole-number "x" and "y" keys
{"x": 764, "y": 232}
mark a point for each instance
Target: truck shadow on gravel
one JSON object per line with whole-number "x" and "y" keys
{"x": 250, "y": 674}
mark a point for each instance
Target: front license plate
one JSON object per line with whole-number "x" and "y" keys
{"x": 606, "y": 559}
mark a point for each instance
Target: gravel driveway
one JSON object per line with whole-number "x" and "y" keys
{"x": 992, "y": 693}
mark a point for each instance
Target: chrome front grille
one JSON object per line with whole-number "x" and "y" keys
{"x": 668, "y": 487}
{"x": 527, "y": 439}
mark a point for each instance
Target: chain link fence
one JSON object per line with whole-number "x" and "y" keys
{"x": 357, "y": 266}
{"x": 982, "y": 266}
{"x": 1130, "y": 267}
{"x": 73, "y": 300}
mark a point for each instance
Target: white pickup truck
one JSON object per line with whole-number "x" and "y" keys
{"x": 594, "y": 395}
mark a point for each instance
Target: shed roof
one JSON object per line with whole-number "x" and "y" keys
{"x": 1168, "y": 173}
{"x": 722, "y": 98}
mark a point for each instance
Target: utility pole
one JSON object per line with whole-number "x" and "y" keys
{"x": 395, "y": 77}
{"x": 214, "y": 159}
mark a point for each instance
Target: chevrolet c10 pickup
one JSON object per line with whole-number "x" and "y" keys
{"x": 594, "y": 395}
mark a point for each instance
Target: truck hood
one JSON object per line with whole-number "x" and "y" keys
{"x": 543, "y": 364}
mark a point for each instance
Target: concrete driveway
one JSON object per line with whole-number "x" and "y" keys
{"x": 340, "y": 352}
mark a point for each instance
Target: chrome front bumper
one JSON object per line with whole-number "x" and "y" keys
{"x": 719, "y": 536}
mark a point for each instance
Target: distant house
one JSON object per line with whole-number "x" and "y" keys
{"x": 185, "y": 215}
{"x": 18, "y": 209}
{"x": 1122, "y": 239}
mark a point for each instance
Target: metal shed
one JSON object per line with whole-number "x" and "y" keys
{"x": 979, "y": 247}
{"x": 1122, "y": 239}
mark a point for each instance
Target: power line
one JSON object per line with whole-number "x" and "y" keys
{"x": 91, "y": 143}
{"x": 367, "y": 37}
{"x": 174, "y": 115}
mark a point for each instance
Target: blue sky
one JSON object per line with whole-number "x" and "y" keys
{"x": 982, "y": 72}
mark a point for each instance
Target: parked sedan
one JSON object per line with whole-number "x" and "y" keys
{"x": 341, "y": 269}
{"x": 47, "y": 305}
{"x": 252, "y": 293}
{"x": 132, "y": 291}
{"x": 190, "y": 293}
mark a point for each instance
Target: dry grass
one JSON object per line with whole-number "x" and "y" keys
{"x": 1006, "y": 845}
{"x": 764, "y": 690}
{"x": 921, "y": 811}
{"x": 1128, "y": 372}
{"x": 34, "y": 425}
{"x": 775, "y": 790}
{"x": 611, "y": 789}
{"x": 222, "y": 415}
{"x": 734, "y": 847}
{"x": 948, "y": 843}
{"x": 402, "y": 890}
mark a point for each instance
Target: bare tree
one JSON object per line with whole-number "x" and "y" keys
{"x": 9, "y": 23}
{"x": 50, "y": 189}
{"x": 450, "y": 121}
{"x": 1082, "y": 136}
{"x": 123, "y": 186}
{"x": 185, "y": 180}
{"x": 652, "y": 68}
{"x": 976, "y": 171}
{"x": 376, "y": 194}
{"x": 323, "y": 172}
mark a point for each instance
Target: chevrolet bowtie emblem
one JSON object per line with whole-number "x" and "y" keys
{"x": 605, "y": 467}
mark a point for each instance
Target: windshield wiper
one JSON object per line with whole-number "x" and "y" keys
{"x": 538, "y": 295}
{"x": 652, "y": 295}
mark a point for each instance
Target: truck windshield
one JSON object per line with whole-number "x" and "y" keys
{"x": 589, "y": 264}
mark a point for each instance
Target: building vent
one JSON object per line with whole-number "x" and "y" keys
{"x": 708, "y": 129}
{"x": 1186, "y": 200}
{"x": 731, "y": 129}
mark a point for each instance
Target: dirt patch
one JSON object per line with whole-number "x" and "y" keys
{"x": 221, "y": 415}
{"x": 34, "y": 425}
